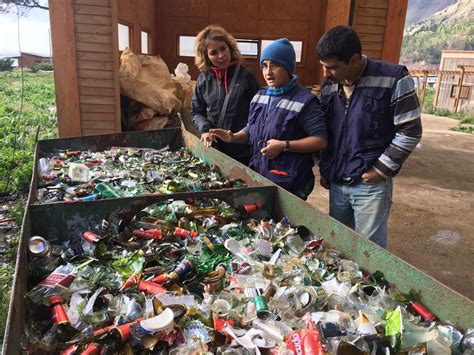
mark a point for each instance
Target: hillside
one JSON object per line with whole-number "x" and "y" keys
{"x": 420, "y": 9}
{"x": 450, "y": 28}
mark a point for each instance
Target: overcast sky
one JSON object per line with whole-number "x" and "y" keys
{"x": 34, "y": 33}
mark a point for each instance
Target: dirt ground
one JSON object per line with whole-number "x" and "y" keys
{"x": 431, "y": 225}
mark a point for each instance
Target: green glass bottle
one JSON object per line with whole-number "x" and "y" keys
{"x": 107, "y": 191}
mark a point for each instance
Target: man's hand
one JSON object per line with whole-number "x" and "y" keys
{"x": 207, "y": 139}
{"x": 273, "y": 148}
{"x": 324, "y": 183}
{"x": 224, "y": 134}
{"x": 371, "y": 176}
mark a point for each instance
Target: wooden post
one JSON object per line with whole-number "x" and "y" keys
{"x": 437, "y": 90}
{"x": 423, "y": 90}
{"x": 65, "y": 68}
{"x": 458, "y": 92}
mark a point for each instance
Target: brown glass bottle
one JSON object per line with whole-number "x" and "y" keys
{"x": 64, "y": 330}
{"x": 115, "y": 335}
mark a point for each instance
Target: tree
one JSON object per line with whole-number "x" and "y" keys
{"x": 6, "y": 64}
{"x": 5, "y": 5}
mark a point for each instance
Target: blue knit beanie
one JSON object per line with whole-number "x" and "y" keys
{"x": 282, "y": 52}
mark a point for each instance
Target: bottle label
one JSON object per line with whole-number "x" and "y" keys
{"x": 59, "y": 315}
{"x": 184, "y": 268}
{"x": 183, "y": 233}
{"x": 113, "y": 326}
{"x": 261, "y": 306}
{"x": 70, "y": 350}
{"x": 58, "y": 279}
{"x": 423, "y": 312}
{"x": 92, "y": 349}
{"x": 148, "y": 234}
{"x": 252, "y": 207}
{"x": 150, "y": 288}
{"x": 132, "y": 280}
{"x": 160, "y": 279}
{"x": 90, "y": 237}
{"x": 124, "y": 330}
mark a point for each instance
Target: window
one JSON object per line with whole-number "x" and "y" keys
{"x": 248, "y": 47}
{"x": 123, "y": 37}
{"x": 464, "y": 91}
{"x": 186, "y": 46}
{"x": 145, "y": 37}
{"x": 297, "y": 45}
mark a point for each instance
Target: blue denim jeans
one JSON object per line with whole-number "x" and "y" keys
{"x": 363, "y": 207}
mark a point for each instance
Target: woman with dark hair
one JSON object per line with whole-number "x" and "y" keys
{"x": 223, "y": 91}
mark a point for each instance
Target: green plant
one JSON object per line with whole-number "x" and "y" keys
{"x": 464, "y": 129}
{"x": 465, "y": 117}
{"x": 20, "y": 124}
{"x": 46, "y": 66}
{"x": 6, "y": 64}
{"x": 425, "y": 42}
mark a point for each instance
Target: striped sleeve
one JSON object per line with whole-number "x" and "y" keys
{"x": 406, "y": 118}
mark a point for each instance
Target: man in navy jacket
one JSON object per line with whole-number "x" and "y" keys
{"x": 373, "y": 120}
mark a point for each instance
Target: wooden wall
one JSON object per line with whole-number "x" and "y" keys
{"x": 300, "y": 20}
{"x": 338, "y": 12}
{"x": 380, "y": 25}
{"x": 86, "y": 66}
{"x": 450, "y": 60}
{"x": 139, "y": 15}
{"x": 86, "y": 56}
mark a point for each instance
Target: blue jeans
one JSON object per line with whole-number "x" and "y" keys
{"x": 363, "y": 207}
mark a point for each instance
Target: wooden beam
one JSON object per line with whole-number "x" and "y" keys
{"x": 423, "y": 90}
{"x": 115, "y": 51}
{"x": 392, "y": 44}
{"x": 458, "y": 92}
{"x": 437, "y": 90}
{"x": 65, "y": 73}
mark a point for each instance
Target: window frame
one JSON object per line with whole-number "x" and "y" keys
{"x": 130, "y": 35}
{"x": 464, "y": 89}
{"x": 250, "y": 57}
{"x": 149, "y": 42}
{"x": 178, "y": 53}
{"x": 301, "y": 62}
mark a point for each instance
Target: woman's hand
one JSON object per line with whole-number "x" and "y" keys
{"x": 224, "y": 134}
{"x": 207, "y": 139}
{"x": 273, "y": 148}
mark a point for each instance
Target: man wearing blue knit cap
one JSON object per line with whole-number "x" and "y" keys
{"x": 286, "y": 124}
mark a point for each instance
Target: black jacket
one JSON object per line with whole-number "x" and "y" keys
{"x": 208, "y": 100}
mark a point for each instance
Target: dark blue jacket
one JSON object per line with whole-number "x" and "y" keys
{"x": 208, "y": 100}
{"x": 280, "y": 121}
{"x": 360, "y": 131}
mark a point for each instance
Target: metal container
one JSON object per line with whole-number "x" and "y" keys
{"x": 59, "y": 221}
{"x": 175, "y": 138}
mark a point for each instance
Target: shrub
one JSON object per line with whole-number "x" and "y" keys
{"x": 46, "y": 66}
{"x": 6, "y": 64}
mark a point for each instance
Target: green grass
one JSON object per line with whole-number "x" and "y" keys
{"x": 465, "y": 118}
{"x": 20, "y": 126}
